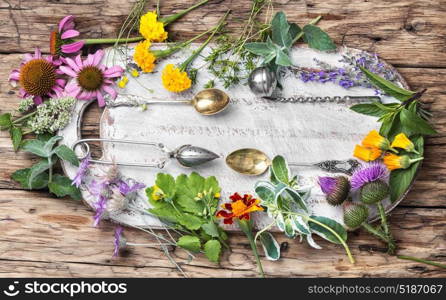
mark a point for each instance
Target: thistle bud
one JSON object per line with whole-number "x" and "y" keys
{"x": 336, "y": 189}
{"x": 355, "y": 214}
{"x": 374, "y": 192}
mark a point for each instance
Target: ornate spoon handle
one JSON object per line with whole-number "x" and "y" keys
{"x": 326, "y": 99}
{"x": 333, "y": 166}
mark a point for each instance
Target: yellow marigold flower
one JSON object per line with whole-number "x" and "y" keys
{"x": 393, "y": 161}
{"x": 157, "y": 193}
{"x": 374, "y": 139}
{"x": 151, "y": 29}
{"x": 134, "y": 73}
{"x": 366, "y": 153}
{"x": 123, "y": 82}
{"x": 217, "y": 195}
{"x": 175, "y": 80}
{"x": 403, "y": 142}
{"x": 143, "y": 57}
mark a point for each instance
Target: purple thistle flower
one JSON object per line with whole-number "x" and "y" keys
{"x": 81, "y": 171}
{"x": 328, "y": 184}
{"x": 118, "y": 240}
{"x": 99, "y": 207}
{"x": 368, "y": 173}
{"x": 125, "y": 188}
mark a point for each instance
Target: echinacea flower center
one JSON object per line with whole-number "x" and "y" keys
{"x": 37, "y": 77}
{"x": 55, "y": 43}
{"x": 90, "y": 78}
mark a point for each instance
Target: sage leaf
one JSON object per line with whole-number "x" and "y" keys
{"x": 260, "y": 49}
{"x": 280, "y": 30}
{"x": 317, "y": 38}
{"x": 37, "y": 169}
{"x": 294, "y": 31}
{"x": 270, "y": 246}
{"x": 189, "y": 242}
{"x": 415, "y": 123}
{"x": 22, "y": 176}
{"x": 5, "y": 121}
{"x": 212, "y": 250}
{"x": 36, "y": 147}
{"x": 280, "y": 169}
{"x": 387, "y": 87}
{"x": 282, "y": 59}
{"x": 65, "y": 153}
{"x": 16, "y": 136}
{"x": 324, "y": 232}
{"x": 61, "y": 186}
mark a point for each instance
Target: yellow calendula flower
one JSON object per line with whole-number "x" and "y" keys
{"x": 393, "y": 161}
{"x": 175, "y": 80}
{"x": 151, "y": 29}
{"x": 367, "y": 153}
{"x": 123, "y": 82}
{"x": 374, "y": 139}
{"x": 143, "y": 57}
{"x": 403, "y": 142}
{"x": 134, "y": 73}
{"x": 157, "y": 193}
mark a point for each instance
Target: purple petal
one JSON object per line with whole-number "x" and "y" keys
{"x": 67, "y": 70}
{"x": 73, "y": 47}
{"x": 115, "y": 71}
{"x": 37, "y": 53}
{"x": 15, "y": 75}
{"x": 97, "y": 56}
{"x": 101, "y": 101}
{"x": 108, "y": 89}
{"x": 73, "y": 89}
{"x": 69, "y": 34}
{"x": 327, "y": 184}
{"x": 37, "y": 100}
{"x": 117, "y": 242}
{"x": 61, "y": 82}
{"x": 66, "y": 23}
{"x": 27, "y": 57}
{"x": 368, "y": 173}
{"x": 73, "y": 64}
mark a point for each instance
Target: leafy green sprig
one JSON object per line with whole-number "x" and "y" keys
{"x": 41, "y": 174}
{"x": 189, "y": 204}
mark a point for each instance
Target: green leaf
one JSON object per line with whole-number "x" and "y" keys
{"x": 65, "y": 153}
{"x": 22, "y": 177}
{"x": 189, "y": 242}
{"x": 16, "y": 136}
{"x": 44, "y": 137}
{"x": 401, "y": 179}
{"x": 260, "y": 49}
{"x": 211, "y": 229}
{"x": 325, "y": 233}
{"x": 294, "y": 31}
{"x": 49, "y": 145}
{"x": 190, "y": 221}
{"x": 271, "y": 247}
{"x": 369, "y": 109}
{"x": 36, "y": 170}
{"x": 167, "y": 184}
{"x": 212, "y": 250}
{"x": 265, "y": 191}
{"x": 317, "y": 38}
{"x": 387, "y": 87}
{"x": 415, "y": 123}
{"x": 36, "y": 147}
{"x": 297, "y": 198}
{"x": 282, "y": 59}
{"x": 280, "y": 30}
{"x": 280, "y": 169}
{"x": 5, "y": 121}
{"x": 61, "y": 186}
{"x": 165, "y": 211}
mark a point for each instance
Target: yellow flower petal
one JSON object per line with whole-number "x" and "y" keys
{"x": 134, "y": 73}
{"x": 157, "y": 193}
{"x": 367, "y": 153}
{"x": 175, "y": 80}
{"x": 374, "y": 139}
{"x": 151, "y": 29}
{"x": 123, "y": 82}
{"x": 143, "y": 57}
{"x": 403, "y": 142}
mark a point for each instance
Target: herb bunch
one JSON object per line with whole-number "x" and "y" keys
{"x": 188, "y": 204}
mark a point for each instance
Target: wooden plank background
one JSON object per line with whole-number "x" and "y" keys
{"x": 42, "y": 236}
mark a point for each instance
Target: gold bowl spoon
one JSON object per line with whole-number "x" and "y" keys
{"x": 253, "y": 162}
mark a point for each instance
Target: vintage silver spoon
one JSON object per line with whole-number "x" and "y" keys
{"x": 206, "y": 102}
{"x": 254, "y": 162}
{"x": 186, "y": 155}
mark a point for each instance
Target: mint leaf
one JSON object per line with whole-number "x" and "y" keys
{"x": 61, "y": 186}
{"x": 5, "y": 121}
{"x": 50, "y": 143}
{"x": 189, "y": 242}
{"x": 65, "y": 153}
{"x": 280, "y": 30}
{"x": 368, "y": 109}
{"x": 415, "y": 123}
{"x": 44, "y": 137}
{"x": 280, "y": 169}
{"x": 36, "y": 147}
{"x": 260, "y": 49}
{"x": 282, "y": 59}
{"x": 16, "y": 136}
{"x": 212, "y": 250}
{"x": 36, "y": 170}
{"x": 294, "y": 31}
{"x": 22, "y": 177}
{"x": 387, "y": 87}
{"x": 317, "y": 38}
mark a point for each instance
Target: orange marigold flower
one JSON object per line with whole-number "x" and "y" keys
{"x": 175, "y": 80}
{"x": 393, "y": 161}
{"x": 366, "y": 153}
{"x": 240, "y": 208}
{"x": 374, "y": 139}
{"x": 143, "y": 57}
{"x": 403, "y": 142}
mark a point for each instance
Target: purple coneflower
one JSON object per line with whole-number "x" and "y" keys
{"x": 336, "y": 188}
{"x": 93, "y": 79}
{"x": 61, "y": 41}
{"x": 369, "y": 180}
{"x": 81, "y": 171}
{"x": 38, "y": 77}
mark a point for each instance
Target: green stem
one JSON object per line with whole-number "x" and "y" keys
{"x": 427, "y": 262}
{"x": 312, "y": 22}
{"x": 112, "y": 40}
{"x": 375, "y": 232}
{"x": 246, "y": 227}
{"x": 415, "y": 159}
{"x": 383, "y": 216}
{"x": 24, "y": 117}
{"x": 167, "y": 20}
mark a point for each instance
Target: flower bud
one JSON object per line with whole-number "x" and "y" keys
{"x": 336, "y": 189}
{"x": 374, "y": 192}
{"x": 355, "y": 214}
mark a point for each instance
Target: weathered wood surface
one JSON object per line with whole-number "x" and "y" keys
{"x": 43, "y": 236}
